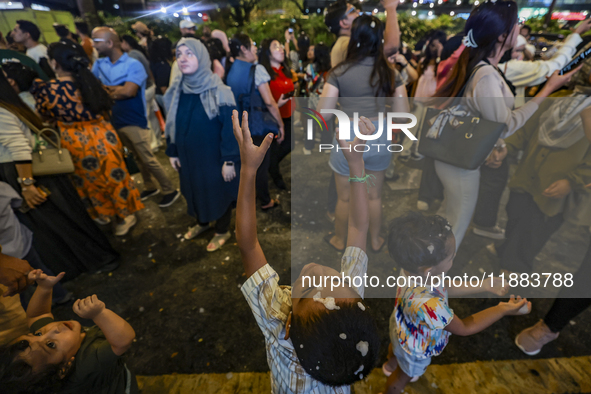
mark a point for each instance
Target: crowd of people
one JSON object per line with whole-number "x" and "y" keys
{"x": 224, "y": 111}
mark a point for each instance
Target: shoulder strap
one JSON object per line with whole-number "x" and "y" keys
{"x": 463, "y": 90}
{"x": 22, "y": 119}
{"x": 252, "y": 83}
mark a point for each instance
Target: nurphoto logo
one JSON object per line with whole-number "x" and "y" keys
{"x": 345, "y": 129}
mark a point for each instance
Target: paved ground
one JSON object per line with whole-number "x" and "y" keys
{"x": 191, "y": 318}
{"x": 544, "y": 376}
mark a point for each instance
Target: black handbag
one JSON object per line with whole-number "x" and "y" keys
{"x": 260, "y": 121}
{"x": 463, "y": 141}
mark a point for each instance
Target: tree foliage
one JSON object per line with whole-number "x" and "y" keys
{"x": 263, "y": 24}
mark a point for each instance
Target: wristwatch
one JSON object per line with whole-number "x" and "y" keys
{"x": 26, "y": 181}
{"x": 229, "y": 163}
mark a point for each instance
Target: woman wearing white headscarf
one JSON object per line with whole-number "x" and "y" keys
{"x": 201, "y": 143}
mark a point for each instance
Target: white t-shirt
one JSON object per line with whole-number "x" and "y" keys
{"x": 37, "y": 52}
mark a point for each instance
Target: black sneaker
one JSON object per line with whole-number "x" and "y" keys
{"x": 148, "y": 193}
{"x": 169, "y": 199}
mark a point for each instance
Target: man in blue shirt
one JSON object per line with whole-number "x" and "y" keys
{"x": 125, "y": 80}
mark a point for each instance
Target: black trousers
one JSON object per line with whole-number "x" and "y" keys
{"x": 431, "y": 187}
{"x": 527, "y": 231}
{"x": 565, "y": 309}
{"x": 279, "y": 151}
{"x": 492, "y": 185}
{"x": 262, "y": 181}
{"x": 222, "y": 225}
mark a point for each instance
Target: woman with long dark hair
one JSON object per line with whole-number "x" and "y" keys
{"x": 243, "y": 50}
{"x": 160, "y": 60}
{"x": 363, "y": 82}
{"x": 316, "y": 73}
{"x": 77, "y": 101}
{"x": 65, "y": 236}
{"x": 201, "y": 143}
{"x": 427, "y": 69}
{"x": 272, "y": 57}
{"x": 491, "y": 30}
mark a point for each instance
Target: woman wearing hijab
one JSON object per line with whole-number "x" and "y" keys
{"x": 201, "y": 143}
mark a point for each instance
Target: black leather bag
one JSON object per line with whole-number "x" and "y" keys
{"x": 260, "y": 121}
{"x": 464, "y": 141}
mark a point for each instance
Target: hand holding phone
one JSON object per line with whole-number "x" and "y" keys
{"x": 575, "y": 62}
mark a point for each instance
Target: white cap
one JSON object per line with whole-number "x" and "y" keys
{"x": 185, "y": 24}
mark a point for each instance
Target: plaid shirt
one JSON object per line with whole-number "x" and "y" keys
{"x": 271, "y": 304}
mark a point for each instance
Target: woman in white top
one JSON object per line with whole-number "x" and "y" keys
{"x": 491, "y": 30}
{"x": 525, "y": 74}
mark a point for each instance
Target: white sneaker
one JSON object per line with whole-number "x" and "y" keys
{"x": 307, "y": 152}
{"x": 102, "y": 222}
{"x": 123, "y": 228}
{"x": 490, "y": 232}
{"x": 422, "y": 205}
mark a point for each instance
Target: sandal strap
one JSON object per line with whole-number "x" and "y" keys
{"x": 196, "y": 230}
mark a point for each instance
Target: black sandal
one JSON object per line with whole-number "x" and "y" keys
{"x": 327, "y": 239}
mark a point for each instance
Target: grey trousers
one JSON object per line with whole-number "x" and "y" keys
{"x": 137, "y": 140}
{"x": 460, "y": 190}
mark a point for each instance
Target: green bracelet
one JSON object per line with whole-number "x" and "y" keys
{"x": 368, "y": 179}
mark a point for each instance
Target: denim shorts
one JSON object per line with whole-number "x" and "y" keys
{"x": 411, "y": 365}
{"x": 374, "y": 160}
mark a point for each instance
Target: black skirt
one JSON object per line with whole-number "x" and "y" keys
{"x": 64, "y": 235}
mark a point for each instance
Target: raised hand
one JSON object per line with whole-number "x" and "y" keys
{"x": 555, "y": 81}
{"x": 89, "y": 307}
{"x": 251, "y": 156}
{"x": 389, "y": 3}
{"x": 43, "y": 280}
{"x": 366, "y": 127}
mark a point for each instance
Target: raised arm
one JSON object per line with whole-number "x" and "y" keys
{"x": 40, "y": 304}
{"x": 359, "y": 201}
{"x": 392, "y": 31}
{"x": 118, "y": 332}
{"x": 251, "y": 157}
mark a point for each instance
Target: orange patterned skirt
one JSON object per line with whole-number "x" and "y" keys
{"x": 101, "y": 177}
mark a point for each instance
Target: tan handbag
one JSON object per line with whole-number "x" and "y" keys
{"x": 48, "y": 160}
